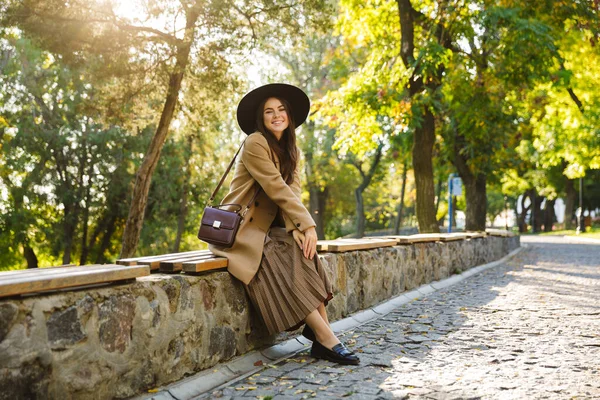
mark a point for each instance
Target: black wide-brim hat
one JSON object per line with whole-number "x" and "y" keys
{"x": 246, "y": 111}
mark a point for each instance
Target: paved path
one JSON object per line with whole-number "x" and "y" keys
{"x": 529, "y": 329}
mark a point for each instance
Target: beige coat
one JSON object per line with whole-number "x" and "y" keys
{"x": 256, "y": 164}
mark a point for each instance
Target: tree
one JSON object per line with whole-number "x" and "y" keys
{"x": 366, "y": 177}
{"x": 202, "y": 34}
{"x": 56, "y": 157}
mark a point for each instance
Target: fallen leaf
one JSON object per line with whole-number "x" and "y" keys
{"x": 152, "y": 390}
{"x": 259, "y": 363}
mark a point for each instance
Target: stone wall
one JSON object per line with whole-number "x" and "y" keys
{"x": 120, "y": 340}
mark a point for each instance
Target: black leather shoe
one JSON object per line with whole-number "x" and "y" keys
{"x": 308, "y": 333}
{"x": 338, "y": 354}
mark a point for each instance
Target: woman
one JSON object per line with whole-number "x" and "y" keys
{"x": 274, "y": 253}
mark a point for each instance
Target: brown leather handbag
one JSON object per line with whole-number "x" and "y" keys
{"x": 219, "y": 226}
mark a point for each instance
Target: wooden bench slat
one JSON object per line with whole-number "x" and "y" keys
{"x": 400, "y": 239}
{"x": 205, "y": 265}
{"x": 45, "y": 272}
{"x": 75, "y": 276}
{"x": 499, "y": 232}
{"x": 176, "y": 265}
{"x": 453, "y": 236}
{"x": 156, "y": 264}
{"x": 475, "y": 235}
{"x": 418, "y": 238}
{"x": 132, "y": 261}
{"x": 343, "y": 245}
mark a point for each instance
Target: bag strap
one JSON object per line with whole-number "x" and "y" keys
{"x": 214, "y": 193}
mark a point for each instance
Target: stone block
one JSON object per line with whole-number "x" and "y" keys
{"x": 222, "y": 342}
{"x": 116, "y": 318}
{"x": 30, "y": 381}
{"x": 344, "y": 325}
{"x": 384, "y": 308}
{"x": 365, "y": 316}
{"x": 282, "y": 349}
{"x": 247, "y": 363}
{"x": 198, "y": 384}
{"x": 8, "y": 315}
{"x": 64, "y": 328}
{"x": 400, "y": 300}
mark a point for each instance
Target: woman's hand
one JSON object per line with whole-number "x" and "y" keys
{"x": 299, "y": 238}
{"x": 307, "y": 241}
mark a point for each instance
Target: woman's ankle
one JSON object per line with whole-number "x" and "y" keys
{"x": 327, "y": 340}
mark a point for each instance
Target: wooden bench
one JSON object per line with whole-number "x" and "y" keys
{"x": 34, "y": 280}
{"x": 344, "y": 245}
{"x": 191, "y": 261}
{"x": 418, "y": 238}
{"x": 475, "y": 235}
{"x": 451, "y": 237}
{"x": 68, "y": 276}
{"x": 204, "y": 260}
{"x": 499, "y": 232}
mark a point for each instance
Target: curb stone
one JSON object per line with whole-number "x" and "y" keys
{"x": 240, "y": 368}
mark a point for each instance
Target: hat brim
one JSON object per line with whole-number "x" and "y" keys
{"x": 246, "y": 111}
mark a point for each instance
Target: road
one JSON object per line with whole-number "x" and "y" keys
{"x": 527, "y": 329}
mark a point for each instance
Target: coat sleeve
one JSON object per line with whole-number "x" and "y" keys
{"x": 255, "y": 156}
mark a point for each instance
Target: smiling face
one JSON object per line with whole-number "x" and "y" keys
{"x": 275, "y": 117}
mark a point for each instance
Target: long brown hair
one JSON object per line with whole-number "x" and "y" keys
{"x": 285, "y": 148}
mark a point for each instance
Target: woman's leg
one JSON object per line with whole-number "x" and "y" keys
{"x": 323, "y": 312}
{"x": 321, "y": 328}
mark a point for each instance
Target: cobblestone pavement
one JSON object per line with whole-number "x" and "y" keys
{"x": 528, "y": 329}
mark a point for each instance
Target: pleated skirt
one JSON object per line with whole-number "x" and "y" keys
{"x": 287, "y": 286}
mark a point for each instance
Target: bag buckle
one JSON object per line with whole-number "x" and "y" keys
{"x": 243, "y": 214}
{"x": 217, "y": 225}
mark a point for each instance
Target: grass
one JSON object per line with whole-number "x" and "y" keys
{"x": 591, "y": 232}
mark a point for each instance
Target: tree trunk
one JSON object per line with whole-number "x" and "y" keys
{"x": 183, "y": 203}
{"x": 454, "y": 209}
{"x": 29, "y": 254}
{"x": 422, "y": 153}
{"x": 476, "y": 196}
{"x": 537, "y": 213}
{"x": 84, "y": 248}
{"x": 358, "y": 192}
{"x": 398, "y": 222}
{"x": 86, "y": 217}
{"x": 316, "y": 196}
{"x": 360, "y": 212}
{"x": 110, "y": 230}
{"x": 438, "y": 194}
{"x": 522, "y": 216}
{"x": 69, "y": 226}
{"x": 549, "y": 215}
{"x": 424, "y": 135}
{"x": 571, "y": 197}
{"x": 475, "y": 189}
{"x": 317, "y": 201}
{"x": 135, "y": 219}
